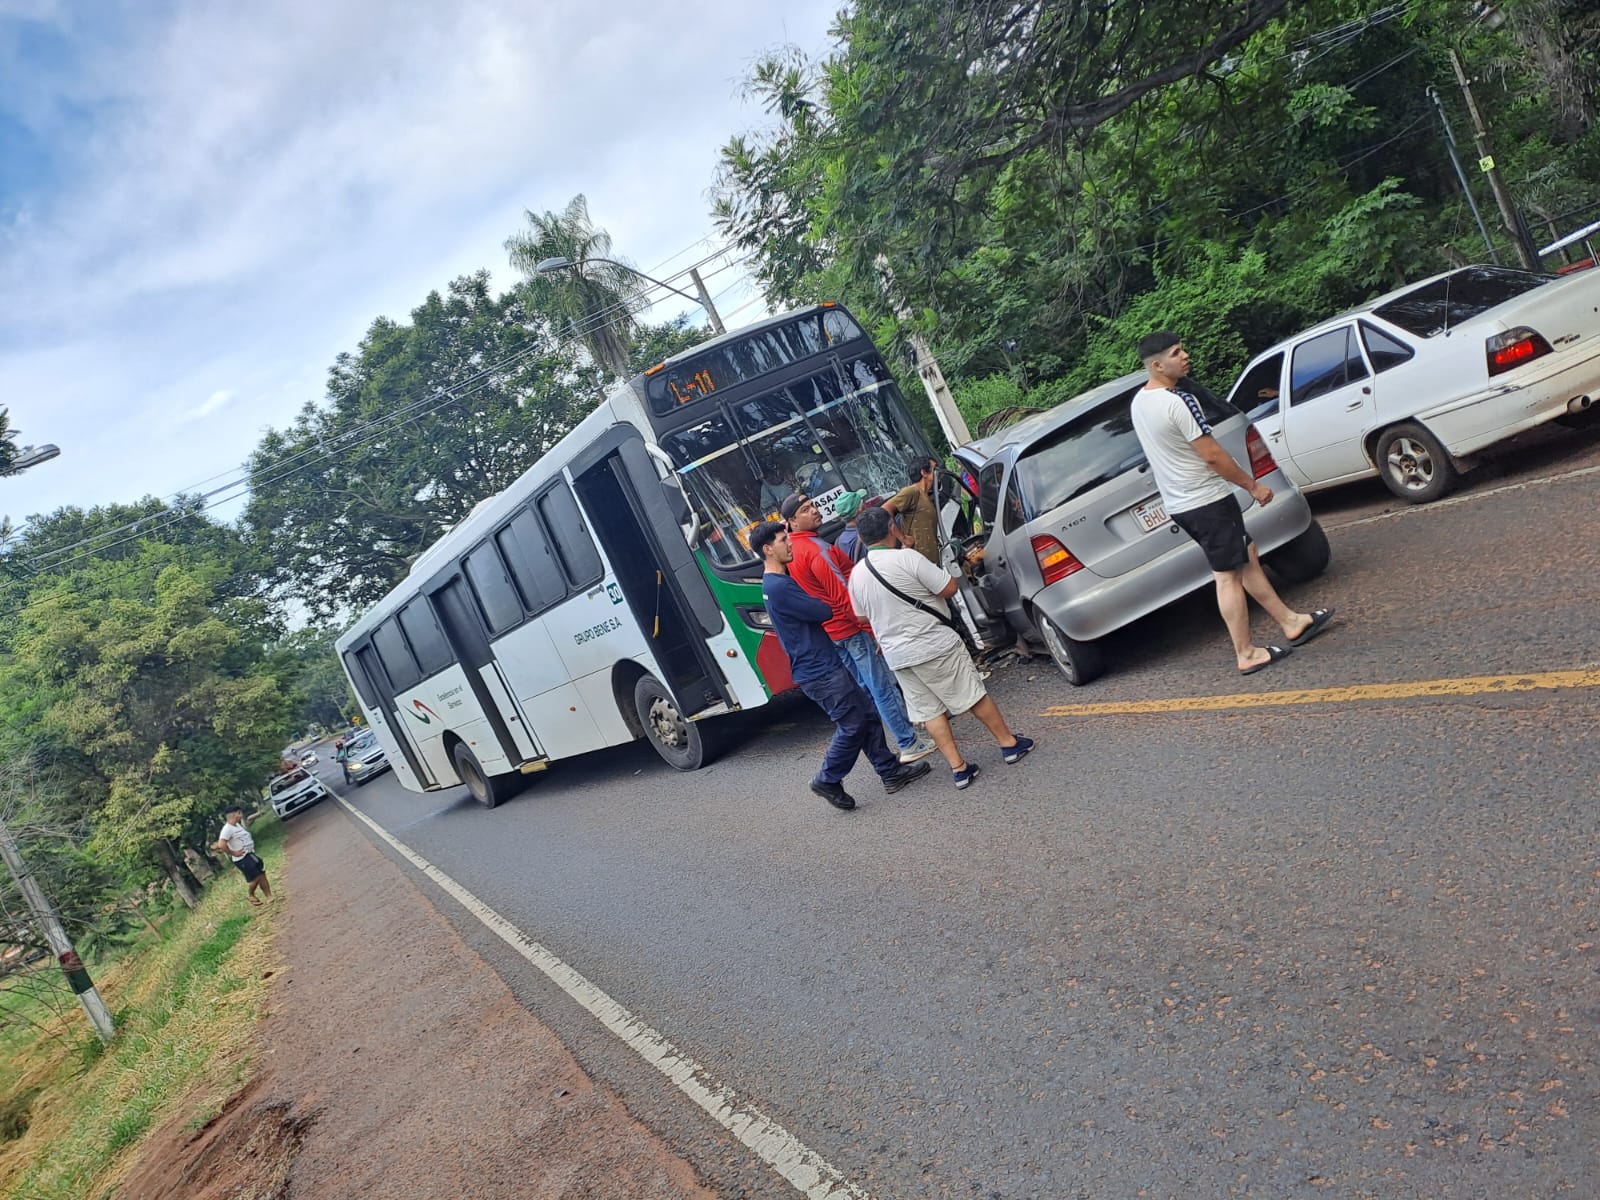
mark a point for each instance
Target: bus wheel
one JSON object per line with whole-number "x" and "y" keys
{"x": 675, "y": 738}
{"x": 487, "y": 790}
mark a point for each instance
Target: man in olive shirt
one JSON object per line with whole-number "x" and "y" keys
{"x": 916, "y": 510}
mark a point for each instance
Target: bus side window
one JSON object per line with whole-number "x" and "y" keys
{"x": 396, "y": 657}
{"x": 427, "y": 642}
{"x": 574, "y": 547}
{"x": 533, "y": 567}
{"x": 355, "y": 662}
{"x": 497, "y": 600}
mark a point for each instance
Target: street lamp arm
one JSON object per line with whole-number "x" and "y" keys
{"x": 550, "y": 265}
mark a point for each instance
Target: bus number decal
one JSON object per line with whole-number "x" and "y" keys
{"x": 594, "y": 631}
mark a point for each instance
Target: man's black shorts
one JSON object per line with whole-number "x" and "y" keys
{"x": 1219, "y": 529}
{"x": 250, "y": 866}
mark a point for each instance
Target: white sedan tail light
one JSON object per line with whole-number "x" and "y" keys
{"x": 1513, "y": 348}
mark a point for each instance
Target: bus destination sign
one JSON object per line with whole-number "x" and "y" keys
{"x": 695, "y": 387}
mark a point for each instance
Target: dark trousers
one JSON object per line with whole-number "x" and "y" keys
{"x": 857, "y": 729}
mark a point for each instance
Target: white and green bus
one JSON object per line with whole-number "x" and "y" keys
{"x": 610, "y": 593}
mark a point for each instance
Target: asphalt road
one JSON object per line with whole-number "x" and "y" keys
{"x": 1345, "y": 947}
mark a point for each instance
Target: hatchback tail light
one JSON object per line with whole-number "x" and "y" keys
{"x": 1055, "y": 560}
{"x": 1513, "y": 348}
{"x": 1261, "y": 460}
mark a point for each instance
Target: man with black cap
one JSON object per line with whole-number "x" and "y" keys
{"x": 1197, "y": 477}
{"x": 821, "y": 571}
{"x": 798, "y": 618}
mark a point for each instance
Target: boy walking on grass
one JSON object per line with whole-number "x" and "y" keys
{"x": 241, "y": 848}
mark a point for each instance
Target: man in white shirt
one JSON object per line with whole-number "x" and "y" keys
{"x": 1196, "y": 478}
{"x": 237, "y": 843}
{"x": 902, "y": 596}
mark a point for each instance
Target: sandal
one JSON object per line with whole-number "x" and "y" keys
{"x": 1275, "y": 654}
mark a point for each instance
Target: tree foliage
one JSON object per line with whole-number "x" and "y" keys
{"x": 1032, "y": 185}
{"x": 147, "y": 681}
{"x": 589, "y": 302}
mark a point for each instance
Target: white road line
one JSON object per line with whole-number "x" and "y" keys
{"x": 1414, "y": 509}
{"x": 803, "y": 1167}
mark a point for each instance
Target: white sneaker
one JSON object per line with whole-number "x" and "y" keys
{"x": 923, "y": 747}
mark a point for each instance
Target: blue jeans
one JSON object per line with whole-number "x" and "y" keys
{"x": 861, "y": 655}
{"x": 856, "y": 728}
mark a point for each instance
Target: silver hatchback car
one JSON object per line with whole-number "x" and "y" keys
{"x": 1076, "y": 541}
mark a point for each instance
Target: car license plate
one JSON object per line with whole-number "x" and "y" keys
{"x": 1151, "y": 515}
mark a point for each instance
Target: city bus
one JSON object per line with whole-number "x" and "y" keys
{"x": 610, "y": 593}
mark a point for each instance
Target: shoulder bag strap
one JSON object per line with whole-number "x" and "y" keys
{"x": 938, "y": 616}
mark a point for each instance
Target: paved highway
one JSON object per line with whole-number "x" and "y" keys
{"x": 1194, "y": 946}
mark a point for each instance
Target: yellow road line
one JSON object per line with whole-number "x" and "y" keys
{"x": 1469, "y": 685}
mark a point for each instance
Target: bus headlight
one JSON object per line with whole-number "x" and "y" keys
{"x": 756, "y": 618}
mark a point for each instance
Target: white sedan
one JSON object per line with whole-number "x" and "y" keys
{"x": 1410, "y": 385}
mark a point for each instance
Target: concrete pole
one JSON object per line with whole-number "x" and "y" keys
{"x": 705, "y": 300}
{"x": 1455, "y": 161}
{"x": 951, "y": 421}
{"x": 50, "y": 925}
{"x": 1508, "y": 210}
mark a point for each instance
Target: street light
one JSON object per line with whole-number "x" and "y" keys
{"x": 560, "y": 263}
{"x": 32, "y": 456}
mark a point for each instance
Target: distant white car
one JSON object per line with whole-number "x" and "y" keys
{"x": 308, "y": 759}
{"x": 1411, "y": 384}
{"x": 295, "y": 790}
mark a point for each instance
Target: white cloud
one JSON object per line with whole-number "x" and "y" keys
{"x": 212, "y": 403}
{"x": 256, "y": 183}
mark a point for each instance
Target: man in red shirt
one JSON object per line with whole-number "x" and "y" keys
{"x": 821, "y": 571}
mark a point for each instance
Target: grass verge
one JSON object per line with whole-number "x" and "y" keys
{"x": 186, "y": 1008}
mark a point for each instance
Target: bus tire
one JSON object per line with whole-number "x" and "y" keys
{"x": 487, "y": 790}
{"x": 678, "y": 740}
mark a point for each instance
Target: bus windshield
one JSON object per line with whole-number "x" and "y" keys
{"x": 831, "y": 432}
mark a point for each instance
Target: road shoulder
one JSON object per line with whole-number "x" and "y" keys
{"x": 396, "y": 1063}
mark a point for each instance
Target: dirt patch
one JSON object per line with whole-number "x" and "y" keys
{"x": 395, "y": 1063}
{"x": 245, "y": 1153}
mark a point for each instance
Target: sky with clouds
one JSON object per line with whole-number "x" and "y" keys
{"x": 202, "y": 202}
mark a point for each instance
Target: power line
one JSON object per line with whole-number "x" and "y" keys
{"x": 355, "y": 437}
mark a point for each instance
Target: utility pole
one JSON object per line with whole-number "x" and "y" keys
{"x": 705, "y": 300}
{"x": 951, "y": 421}
{"x": 50, "y": 925}
{"x": 1455, "y": 161}
{"x": 1508, "y": 211}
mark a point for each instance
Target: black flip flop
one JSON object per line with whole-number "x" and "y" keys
{"x": 1319, "y": 622}
{"x": 1275, "y": 654}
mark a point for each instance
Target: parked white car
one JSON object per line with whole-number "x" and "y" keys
{"x": 295, "y": 790}
{"x": 1410, "y": 385}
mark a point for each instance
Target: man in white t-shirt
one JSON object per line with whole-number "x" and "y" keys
{"x": 1196, "y": 477}
{"x": 902, "y": 596}
{"x": 237, "y": 843}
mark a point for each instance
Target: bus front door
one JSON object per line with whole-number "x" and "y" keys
{"x": 660, "y": 579}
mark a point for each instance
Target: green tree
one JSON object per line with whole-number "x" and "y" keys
{"x": 147, "y": 676}
{"x": 308, "y": 672}
{"x": 419, "y": 425}
{"x": 589, "y": 302}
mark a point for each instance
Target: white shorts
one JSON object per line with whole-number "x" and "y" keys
{"x": 948, "y": 683}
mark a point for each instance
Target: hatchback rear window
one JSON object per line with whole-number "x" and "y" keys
{"x": 1093, "y": 448}
{"x": 1459, "y": 296}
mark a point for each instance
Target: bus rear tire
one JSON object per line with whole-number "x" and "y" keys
{"x": 487, "y": 790}
{"x": 678, "y": 740}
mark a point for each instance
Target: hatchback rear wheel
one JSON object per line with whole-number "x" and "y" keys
{"x": 1080, "y": 662}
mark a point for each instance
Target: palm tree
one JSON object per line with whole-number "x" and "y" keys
{"x": 591, "y": 299}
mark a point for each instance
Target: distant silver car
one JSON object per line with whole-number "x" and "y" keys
{"x": 1076, "y": 541}
{"x": 295, "y": 790}
{"x": 364, "y": 758}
